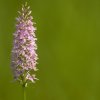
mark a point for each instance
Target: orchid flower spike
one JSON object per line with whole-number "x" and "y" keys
{"x": 24, "y": 56}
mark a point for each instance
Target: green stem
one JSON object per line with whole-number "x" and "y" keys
{"x": 24, "y": 93}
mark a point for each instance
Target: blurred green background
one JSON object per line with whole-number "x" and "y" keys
{"x": 68, "y": 33}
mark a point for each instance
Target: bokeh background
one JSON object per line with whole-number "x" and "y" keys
{"x": 68, "y": 33}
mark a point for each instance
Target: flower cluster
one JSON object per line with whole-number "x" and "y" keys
{"x": 24, "y": 56}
